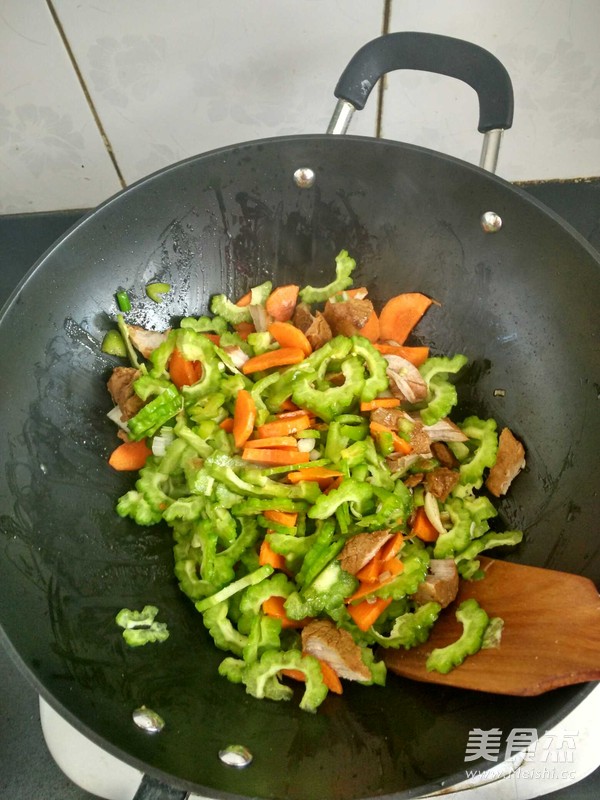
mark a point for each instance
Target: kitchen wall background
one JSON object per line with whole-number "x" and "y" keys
{"x": 95, "y": 94}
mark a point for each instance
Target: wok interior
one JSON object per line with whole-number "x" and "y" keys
{"x": 520, "y": 304}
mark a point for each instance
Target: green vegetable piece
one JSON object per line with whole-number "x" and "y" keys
{"x": 260, "y": 342}
{"x": 254, "y": 596}
{"x": 458, "y": 537}
{"x": 113, "y": 344}
{"x": 344, "y": 267}
{"x": 223, "y": 594}
{"x": 442, "y": 396}
{"x": 123, "y": 301}
{"x": 140, "y": 627}
{"x": 416, "y": 561}
{"x": 474, "y": 621}
{"x": 222, "y": 306}
{"x": 357, "y": 495}
{"x": 205, "y": 324}
{"x": 329, "y": 403}
{"x": 147, "y": 386}
{"x": 263, "y": 636}
{"x": 487, "y": 542}
{"x": 324, "y": 549}
{"x": 222, "y": 630}
{"x": 262, "y": 678}
{"x": 131, "y": 353}
{"x": 483, "y": 443}
{"x": 493, "y": 634}
{"x": 133, "y": 504}
{"x": 376, "y": 364}
{"x": 325, "y": 594}
{"x": 154, "y": 414}
{"x": 410, "y": 629}
{"x": 155, "y": 291}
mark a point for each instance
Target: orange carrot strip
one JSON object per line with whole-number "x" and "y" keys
{"x": 245, "y": 300}
{"x": 182, "y": 371}
{"x": 273, "y": 358}
{"x": 214, "y": 337}
{"x": 295, "y": 413}
{"x": 227, "y": 424}
{"x": 400, "y": 444}
{"x": 365, "y": 613}
{"x": 380, "y": 402}
{"x": 423, "y": 528}
{"x": 287, "y": 518}
{"x": 129, "y": 455}
{"x": 281, "y": 303}
{"x": 273, "y": 441}
{"x": 283, "y": 427}
{"x": 392, "y": 547}
{"x": 313, "y": 474}
{"x": 244, "y": 417}
{"x": 268, "y": 556}
{"x": 274, "y": 607}
{"x": 400, "y": 315}
{"x": 330, "y": 677}
{"x": 244, "y": 329}
{"x": 273, "y": 457}
{"x": 288, "y": 335}
{"x": 288, "y": 405}
{"x": 393, "y": 566}
{"x": 294, "y": 674}
{"x": 370, "y": 572}
{"x": 371, "y": 329}
{"x": 416, "y": 355}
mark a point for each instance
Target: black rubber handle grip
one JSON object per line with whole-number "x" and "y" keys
{"x": 431, "y": 52}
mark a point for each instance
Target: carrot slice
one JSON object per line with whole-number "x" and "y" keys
{"x": 416, "y": 355}
{"x": 182, "y": 371}
{"x": 371, "y": 329}
{"x": 423, "y": 528}
{"x": 380, "y": 402}
{"x": 227, "y": 424}
{"x": 392, "y": 547}
{"x": 214, "y": 338}
{"x": 370, "y": 572}
{"x": 287, "y": 518}
{"x": 281, "y": 303}
{"x": 274, "y": 457}
{"x": 268, "y": 556}
{"x": 400, "y": 444}
{"x": 244, "y": 329}
{"x": 244, "y": 417}
{"x": 314, "y": 474}
{"x": 273, "y": 358}
{"x": 129, "y": 455}
{"x": 288, "y": 335}
{"x": 366, "y": 613}
{"x": 284, "y": 426}
{"x": 289, "y": 405}
{"x": 400, "y": 315}
{"x": 273, "y": 441}
{"x": 330, "y": 677}
{"x": 245, "y": 300}
{"x": 274, "y": 607}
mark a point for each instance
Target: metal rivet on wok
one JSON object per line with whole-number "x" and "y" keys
{"x": 304, "y": 177}
{"x": 148, "y": 720}
{"x": 235, "y": 755}
{"x": 491, "y": 222}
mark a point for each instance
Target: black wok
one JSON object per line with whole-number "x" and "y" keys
{"x": 521, "y": 303}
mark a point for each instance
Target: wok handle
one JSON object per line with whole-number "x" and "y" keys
{"x": 430, "y": 52}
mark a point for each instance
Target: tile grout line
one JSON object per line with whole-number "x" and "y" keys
{"x": 385, "y": 28}
{"x": 87, "y": 95}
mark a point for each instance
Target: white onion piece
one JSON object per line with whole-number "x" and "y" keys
{"x": 432, "y": 511}
{"x": 161, "y": 441}
{"x": 114, "y": 415}
{"x": 306, "y": 445}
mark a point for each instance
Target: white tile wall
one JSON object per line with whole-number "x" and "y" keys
{"x": 172, "y": 78}
{"x": 51, "y": 153}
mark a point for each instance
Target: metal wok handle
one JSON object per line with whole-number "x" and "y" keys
{"x": 430, "y": 52}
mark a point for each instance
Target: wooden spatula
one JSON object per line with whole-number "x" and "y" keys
{"x": 551, "y": 633}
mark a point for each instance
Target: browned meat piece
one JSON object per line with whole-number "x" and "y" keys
{"x": 405, "y": 379}
{"x": 120, "y": 386}
{"x": 145, "y": 341}
{"x": 323, "y": 640}
{"x": 397, "y": 462}
{"x": 348, "y": 317}
{"x": 414, "y": 480}
{"x": 360, "y": 549}
{"x": 443, "y": 454}
{"x": 441, "y": 585}
{"x": 419, "y": 440}
{"x": 445, "y": 431}
{"x": 302, "y": 318}
{"x": 441, "y": 481}
{"x": 390, "y": 417}
{"x": 319, "y": 332}
{"x": 510, "y": 460}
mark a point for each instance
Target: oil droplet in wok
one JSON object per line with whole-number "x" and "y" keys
{"x": 148, "y": 720}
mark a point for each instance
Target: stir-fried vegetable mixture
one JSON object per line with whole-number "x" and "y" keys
{"x": 322, "y": 503}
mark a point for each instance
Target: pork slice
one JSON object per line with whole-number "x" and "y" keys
{"x": 146, "y": 341}
{"x": 510, "y": 460}
{"x": 319, "y": 332}
{"x": 405, "y": 379}
{"x": 303, "y": 317}
{"x": 321, "y": 638}
{"x": 360, "y": 549}
{"x": 390, "y": 417}
{"x": 445, "y": 431}
{"x": 348, "y": 317}
{"x": 443, "y": 454}
{"x": 440, "y": 585}
{"x": 441, "y": 481}
{"x": 120, "y": 386}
